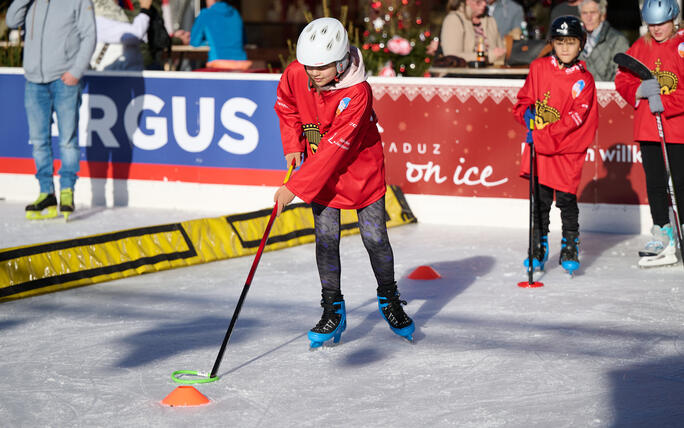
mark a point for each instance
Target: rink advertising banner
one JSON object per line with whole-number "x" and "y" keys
{"x": 460, "y": 139}
{"x": 441, "y": 136}
{"x": 181, "y": 129}
{"x": 42, "y": 268}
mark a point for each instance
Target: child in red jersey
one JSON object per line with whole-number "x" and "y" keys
{"x": 661, "y": 50}
{"x": 326, "y": 115}
{"x": 560, "y": 95}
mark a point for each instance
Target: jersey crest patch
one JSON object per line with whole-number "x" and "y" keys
{"x": 545, "y": 113}
{"x": 342, "y": 106}
{"x": 668, "y": 80}
{"x": 680, "y": 49}
{"x": 313, "y": 135}
{"x": 577, "y": 88}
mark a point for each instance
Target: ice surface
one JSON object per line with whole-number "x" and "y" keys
{"x": 601, "y": 350}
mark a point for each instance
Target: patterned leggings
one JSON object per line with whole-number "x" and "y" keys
{"x": 373, "y": 234}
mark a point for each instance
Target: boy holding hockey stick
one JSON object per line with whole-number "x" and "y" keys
{"x": 560, "y": 96}
{"x": 662, "y": 48}
{"x": 326, "y": 116}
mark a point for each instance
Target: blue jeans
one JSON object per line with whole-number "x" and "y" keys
{"x": 40, "y": 100}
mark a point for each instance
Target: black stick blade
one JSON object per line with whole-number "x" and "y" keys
{"x": 634, "y": 65}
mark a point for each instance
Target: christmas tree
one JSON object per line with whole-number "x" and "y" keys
{"x": 395, "y": 40}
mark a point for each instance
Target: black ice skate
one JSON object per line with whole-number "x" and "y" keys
{"x": 540, "y": 252}
{"x": 392, "y": 311}
{"x": 333, "y": 321}
{"x": 569, "y": 256}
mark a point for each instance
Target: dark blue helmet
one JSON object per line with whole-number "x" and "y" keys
{"x": 568, "y": 26}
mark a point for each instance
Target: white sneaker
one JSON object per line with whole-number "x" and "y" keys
{"x": 661, "y": 250}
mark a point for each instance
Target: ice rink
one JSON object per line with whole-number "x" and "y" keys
{"x": 603, "y": 349}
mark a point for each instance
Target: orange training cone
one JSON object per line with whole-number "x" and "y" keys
{"x": 424, "y": 272}
{"x": 185, "y": 395}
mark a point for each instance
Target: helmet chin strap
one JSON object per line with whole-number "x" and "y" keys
{"x": 568, "y": 64}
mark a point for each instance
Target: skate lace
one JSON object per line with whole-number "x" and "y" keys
{"x": 569, "y": 251}
{"x": 654, "y": 246}
{"x": 329, "y": 320}
{"x": 394, "y": 312}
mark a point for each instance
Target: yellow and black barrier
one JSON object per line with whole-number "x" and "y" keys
{"x": 42, "y": 268}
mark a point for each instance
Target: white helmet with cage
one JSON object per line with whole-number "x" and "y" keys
{"x": 324, "y": 41}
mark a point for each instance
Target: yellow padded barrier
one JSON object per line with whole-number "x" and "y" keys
{"x": 43, "y": 268}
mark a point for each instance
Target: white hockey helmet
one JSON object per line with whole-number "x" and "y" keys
{"x": 324, "y": 41}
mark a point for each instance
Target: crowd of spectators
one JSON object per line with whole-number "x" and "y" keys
{"x": 124, "y": 30}
{"x": 470, "y": 24}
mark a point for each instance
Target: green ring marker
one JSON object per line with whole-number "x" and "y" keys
{"x": 204, "y": 377}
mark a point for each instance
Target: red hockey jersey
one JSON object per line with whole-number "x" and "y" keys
{"x": 344, "y": 166}
{"x": 666, "y": 61}
{"x": 565, "y": 123}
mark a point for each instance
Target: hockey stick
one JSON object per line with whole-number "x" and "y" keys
{"x": 530, "y": 283}
{"x": 640, "y": 70}
{"x": 204, "y": 377}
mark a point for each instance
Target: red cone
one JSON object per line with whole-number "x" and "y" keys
{"x": 527, "y": 284}
{"x": 424, "y": 272}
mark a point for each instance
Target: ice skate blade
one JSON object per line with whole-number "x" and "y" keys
{"x": 570, "y": 267}
{"x": 318, "y": 339}
{"x": 319, "y": 346}
{"x": 48, "y": 213}
{"x": 406, "y": 332}
{"x": 657, "y": 261}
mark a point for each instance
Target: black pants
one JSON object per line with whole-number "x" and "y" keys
{"x": 373, "y": 234}
{"x": 566, "y": 203}
{"x": 656, "y": 179}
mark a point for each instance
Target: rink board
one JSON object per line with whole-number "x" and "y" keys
{"x": 42, "y": 268}
{"x": 441, "y": 136}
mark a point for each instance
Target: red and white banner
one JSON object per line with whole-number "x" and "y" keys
{"x": 458, "y": 137}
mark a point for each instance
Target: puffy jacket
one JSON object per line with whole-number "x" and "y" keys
{"x": 220, "y": 27}
{"x": 59, "y": 36}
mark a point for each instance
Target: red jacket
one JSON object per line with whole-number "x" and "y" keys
{"x": 565, "y": 124}
{"x": 666, "y": 61}
{"x": 344, "y": 166}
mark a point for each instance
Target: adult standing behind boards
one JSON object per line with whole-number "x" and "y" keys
{"x": 464, "y": 25}
{"x": 60, "y": 41}
{"x": 220, "y": 27}
{"x": 508, "y": 15}
{"x": 603, "y": 41}
{"x": 118, "y": 39}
